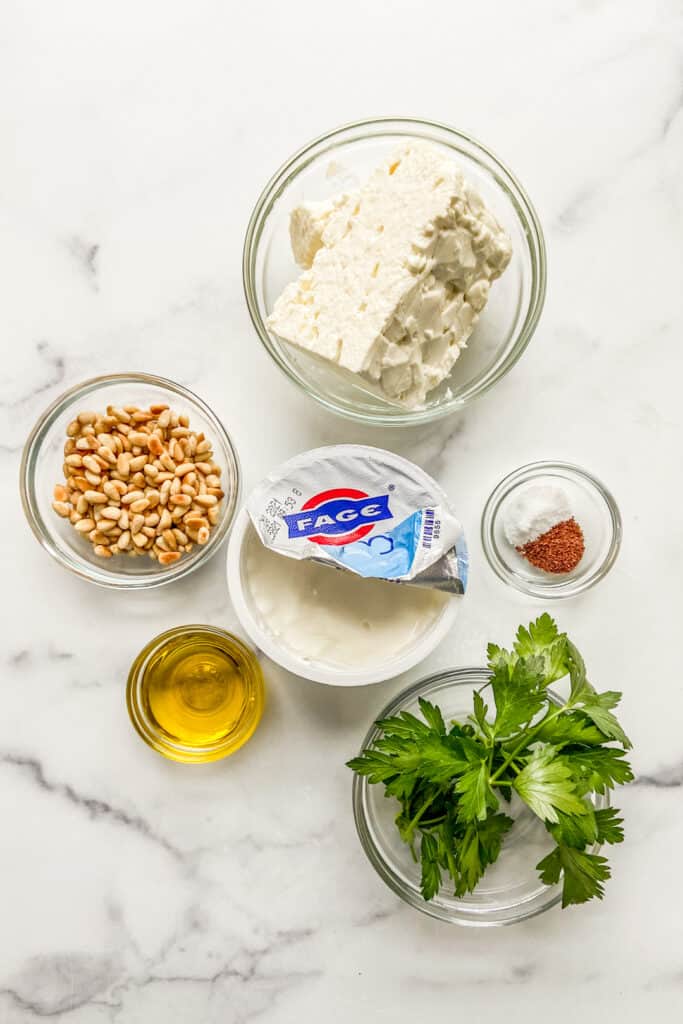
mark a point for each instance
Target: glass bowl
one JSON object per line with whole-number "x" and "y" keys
{"x": 595, "y": 510}
{"x": 197, "y": 692}
{"x": 511, "y": 890}
{"x": 341, "y": 160}
{"x": 41, "y": 469}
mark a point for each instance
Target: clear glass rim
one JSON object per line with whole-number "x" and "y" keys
{"x": 41, "y": 530}
{"x": 561, "y": 588}
{"x": 475, "y": 675}
{"x": 514, "y": 191}
{"x": 178, "y": 751}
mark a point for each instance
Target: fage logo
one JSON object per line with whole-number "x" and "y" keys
{"x": 339, "y": 516}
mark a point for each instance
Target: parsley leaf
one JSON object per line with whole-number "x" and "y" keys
{"x": 432, "y": 715}
{"x": 570, "y": 727}
{"x": 479, "y": 847}
{"x": 596, "y": 706}
{"x": 476, "y": 795}
{"x": 599, "y": 769}
{"x": 609, "y": 824}
{"x": 431, "y": 871}
{"x": 519, "y": 695}
{"x": 546, "y": 785}
{"x": 583, "y": 873}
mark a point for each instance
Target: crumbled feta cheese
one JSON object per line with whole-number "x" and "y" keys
{"x": 396, "y": 276}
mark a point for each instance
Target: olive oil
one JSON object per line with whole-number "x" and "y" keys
{"x": 195, "y": 693}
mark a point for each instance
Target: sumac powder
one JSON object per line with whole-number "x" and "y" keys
{"x": 560, "y": 549}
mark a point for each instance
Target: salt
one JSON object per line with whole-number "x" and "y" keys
{"x": 537, "y": 509}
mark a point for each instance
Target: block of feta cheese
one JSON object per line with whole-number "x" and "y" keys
{"x": 396, "y": 274}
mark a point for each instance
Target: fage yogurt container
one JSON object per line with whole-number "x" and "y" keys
{"x": 347, "y": 565}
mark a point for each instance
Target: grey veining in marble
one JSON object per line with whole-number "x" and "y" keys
{"x": 134, "y": 142}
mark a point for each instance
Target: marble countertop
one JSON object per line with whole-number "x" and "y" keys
{"x": 135, "y": 139}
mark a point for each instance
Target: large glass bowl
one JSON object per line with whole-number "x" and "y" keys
{"x": 341, "y": 160}
{"x": 511, "y": 890}
{"x": 41, "y": 469}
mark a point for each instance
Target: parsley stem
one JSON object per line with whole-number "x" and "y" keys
{"x": 413, "y": 821}
{"x": 525, "y": 741}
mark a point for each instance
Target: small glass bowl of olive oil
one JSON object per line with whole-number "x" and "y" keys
{"x": 195, "y": 694}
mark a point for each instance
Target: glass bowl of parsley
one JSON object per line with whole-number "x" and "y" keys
{"x": 482, "y": 798}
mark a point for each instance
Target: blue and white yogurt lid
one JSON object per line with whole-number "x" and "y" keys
{"x": 365, "y": 510}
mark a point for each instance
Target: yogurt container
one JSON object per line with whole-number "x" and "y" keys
{"x": 347, "y": 565}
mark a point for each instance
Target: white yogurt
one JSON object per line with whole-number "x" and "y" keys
{"x": 330, "y": 616}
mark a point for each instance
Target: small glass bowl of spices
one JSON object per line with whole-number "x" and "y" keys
{"x": 129, "y": 480}
{"x": 551, "y": 530}
{"x": 195, "y": 694}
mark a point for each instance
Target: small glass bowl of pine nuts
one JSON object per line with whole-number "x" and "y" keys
{"x": 129, "y": 481}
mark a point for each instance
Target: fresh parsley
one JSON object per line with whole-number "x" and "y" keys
{"x": 453, "y": 780}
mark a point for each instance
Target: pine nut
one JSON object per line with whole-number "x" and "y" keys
{"x": 111, "y": 513}
{"x": 169, "y": 540}
{"x": 107, "y": 455}
{"x": 96, "y": 498}
{"x": 184, "y": 468}
{"x": 105, "y": 525}
{"x": 86, "y": 417}
{"x": 206, "y": 500}
{"x": 194, "y": 521}
{"x": 140, "y": 540}
{"x": 61, "y": 508}
{"x": 137, "y": 463}
{"x": 103, "y": 551}
{"x": 136, "y": 523}
{"x": 123, "y": 464}
{"x": 123, "y": 543}
{"x": 132, "y": 496}
{"x": 111, "y": 490}
{"x": 167, "y": 557}
{"x": 181, "y": 499}
{"x": 140, "y": 505}
{"x": 82, "y": 504}
{"x": 213, "y": 515}
{"x": 94, "y": 479}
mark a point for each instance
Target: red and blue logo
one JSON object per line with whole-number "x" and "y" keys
{"x": 339, "y": 516}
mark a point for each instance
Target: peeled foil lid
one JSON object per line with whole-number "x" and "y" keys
{"x": 364, "y": 510}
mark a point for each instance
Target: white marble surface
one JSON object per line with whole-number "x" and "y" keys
{"x": 134, "y": 140}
